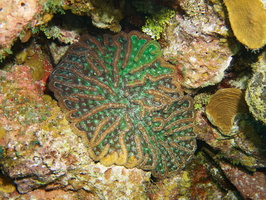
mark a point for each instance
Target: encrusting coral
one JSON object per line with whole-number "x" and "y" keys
{"x": 248, "y": 22}
{"x": 126, "y": 102}
{"x": 224, "y": 106}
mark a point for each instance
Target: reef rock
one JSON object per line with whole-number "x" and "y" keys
{"x": 251, "y": 186}
{"x": 198, "y": 44}
{"x": 104, "y": 13}
{"x": 14, "y": 15}
{"x": 256, "y": 91}
{"x": 245, "y": 147}
{"x": 39, "y": 149}
{"x": 20, "y": 19}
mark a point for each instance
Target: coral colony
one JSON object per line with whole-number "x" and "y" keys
{"x": 248, "y": 22}
{"x": 126, "y": 103}
{"x": 223, "y": 108}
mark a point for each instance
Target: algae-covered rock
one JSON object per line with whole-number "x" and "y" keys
{"x": 157, "y": 17}
{"x": 38, "y": 148}
{"x": 198, "y": 44}
{"x": 256, "y": 91}
{"x": 104, "y": 13}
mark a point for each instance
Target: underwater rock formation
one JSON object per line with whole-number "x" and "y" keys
{"x": 244, "y": 144}
{"x": 36, "y": 149}
{"x": 14, "y": 16}
{"x": 198, "y": 44}
{"x": 256, "y": 90}
{"x": 126, "y": 103}
{"x": 22, "y": 19}
{"x": 251, "y": 186}
{"x": 104, "y": 13}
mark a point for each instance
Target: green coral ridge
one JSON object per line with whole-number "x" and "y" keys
{"x": 126, "y": 103}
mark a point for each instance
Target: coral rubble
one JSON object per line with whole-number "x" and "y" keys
{"x": 126, "y": 102}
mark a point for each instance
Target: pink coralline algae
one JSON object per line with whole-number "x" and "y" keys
{"x": 251, "y": 186}
{"x": 14, "y": 15}
{"x": 36, "y": 148}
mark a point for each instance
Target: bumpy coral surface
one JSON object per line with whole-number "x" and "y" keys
{"x": 248, "y": 21}
{"x": 126, "y": 102}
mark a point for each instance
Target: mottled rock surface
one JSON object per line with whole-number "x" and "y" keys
{"x": 198, "y": 44}
{"x": 38, "y": 148}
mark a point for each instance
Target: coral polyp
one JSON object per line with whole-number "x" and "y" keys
{"x": 126, "y": 103}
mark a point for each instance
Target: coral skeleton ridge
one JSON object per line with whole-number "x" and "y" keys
{"x": 126, "y": 103}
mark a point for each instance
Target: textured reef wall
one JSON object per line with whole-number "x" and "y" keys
{"x": 21, "y": 19}
{"x": 132, "y": 99}
{"x": 38, "y": 148}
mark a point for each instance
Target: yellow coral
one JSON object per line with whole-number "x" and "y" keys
{"x": 224, "y": 106}
{"x": 248, "y": 21}
{"x": 6, "y": 185}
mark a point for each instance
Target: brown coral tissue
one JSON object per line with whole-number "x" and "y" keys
{"x": 224, "y": 106}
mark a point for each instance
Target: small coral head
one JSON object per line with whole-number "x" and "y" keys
{"x": 223, "y": 108}
{"x": 126, "y": 103}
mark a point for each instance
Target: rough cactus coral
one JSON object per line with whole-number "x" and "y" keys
{"x": 126, "y": 102}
